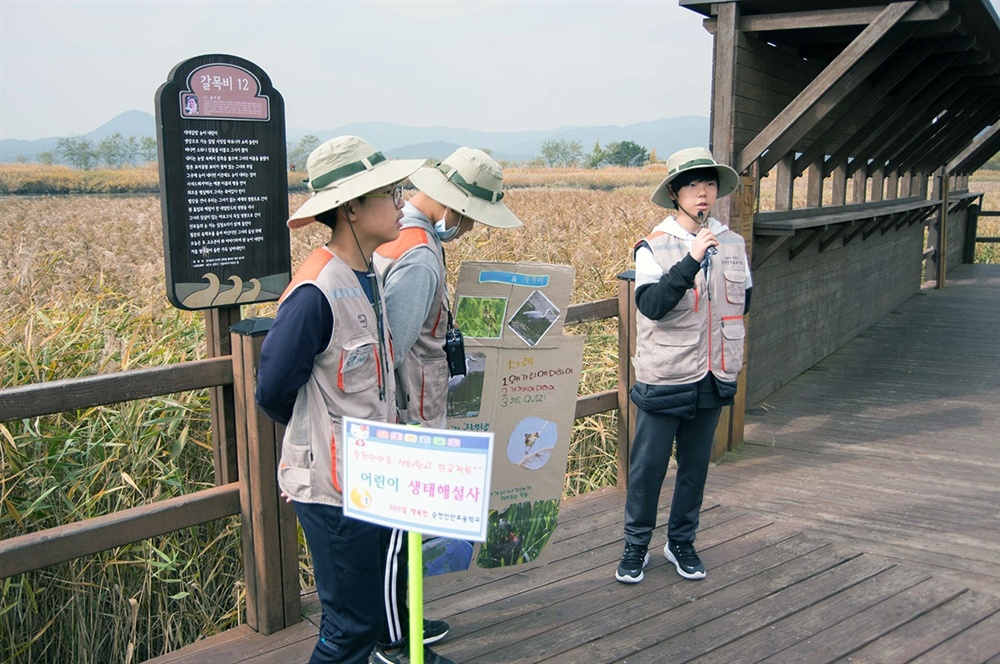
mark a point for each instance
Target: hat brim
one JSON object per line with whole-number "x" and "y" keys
{"x": 728, "y": 181}
{"x": 381, "y": 175}
{"x": 432, "y": 182}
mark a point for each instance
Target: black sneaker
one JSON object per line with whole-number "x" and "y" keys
{"x": 435, "y": 630}
{"x": 685, "y": 559}
{"x": 634, "y": 558}
{"x": 401, "y": 655}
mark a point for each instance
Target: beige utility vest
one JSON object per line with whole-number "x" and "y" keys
{"x": 704, "y": 332}
{"x": 424, "y": 372}
{"x": 347, "y": 379}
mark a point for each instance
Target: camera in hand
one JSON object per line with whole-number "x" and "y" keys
{"x": 454, "y": 350}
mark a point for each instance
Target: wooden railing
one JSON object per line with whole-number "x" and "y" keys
{"x": 247, "y": 487}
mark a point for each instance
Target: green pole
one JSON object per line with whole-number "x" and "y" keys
{"x": 415, "y": 594}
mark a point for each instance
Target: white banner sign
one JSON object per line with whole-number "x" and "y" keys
{"x": 431, "y": 481}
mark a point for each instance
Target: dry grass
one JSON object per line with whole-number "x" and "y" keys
{"x": 84, "y": 293}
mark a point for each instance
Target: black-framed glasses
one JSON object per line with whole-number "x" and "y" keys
{"x": 396, "y": 194}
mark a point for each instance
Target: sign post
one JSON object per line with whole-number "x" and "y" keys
{"x": 424, "y": 481}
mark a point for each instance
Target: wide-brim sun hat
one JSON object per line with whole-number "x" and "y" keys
{"x": 469, "y": 182}
{"x": 689, "y": 159}
{"x": 343, "y": 169}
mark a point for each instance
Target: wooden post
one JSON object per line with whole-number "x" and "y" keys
{"x": 217, "y": 324}
{"x": 269, "y": 531}
{"x": 784, "y": 186}
{"x": 626, "y": 348}
{"x": 860, "y": 184}
{"x": 941, "y": 255}
{"x": 878, "y": 183}
{"x": 971, "y": 229}
{"x": 814, "y": 184}
{"x": 743, "y": 204}
{"x": 839, "y": 185}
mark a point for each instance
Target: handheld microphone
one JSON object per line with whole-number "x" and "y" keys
{"x": 711, "y": 251}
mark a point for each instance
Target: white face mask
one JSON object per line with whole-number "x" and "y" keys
{"x": 445, "y": 234}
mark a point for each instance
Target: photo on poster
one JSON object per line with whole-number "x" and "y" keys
{"x": 480, "y": 317}
{"x": 518, "y": 534}
{"x": 534, "y": 318}
{"x": 531, "y": 443}
{"x": 465, "y": 393}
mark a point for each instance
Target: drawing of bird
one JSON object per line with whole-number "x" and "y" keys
{"x": 250, "y": 295}
{"x": 229, "y": 296}
{"x": 529, "y": 440}
{"x": 204, "y": 297}
{"x": 538, "y": 315}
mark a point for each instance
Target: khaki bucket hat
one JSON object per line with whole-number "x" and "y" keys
{"x": 343, "y": 169}
{"x": 689, "y": 159}
{"x": 469, "y": 182}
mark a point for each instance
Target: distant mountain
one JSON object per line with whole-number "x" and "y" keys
{"x": 665, "y": 136}
{"x": 130, "y": 123}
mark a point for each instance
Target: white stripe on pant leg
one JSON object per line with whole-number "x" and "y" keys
{"x": 396, "y": 542}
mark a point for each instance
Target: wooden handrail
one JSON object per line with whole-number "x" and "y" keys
{"x": 61, "y": 543}
{"x": 59, "y": 396}
{"x": 47, "y": 547}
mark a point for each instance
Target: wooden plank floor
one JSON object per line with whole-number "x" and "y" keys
{"x": 860, "y": 521}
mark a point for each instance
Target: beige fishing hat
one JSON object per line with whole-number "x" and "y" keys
{"x": 469, "y": 182}
{"x": 343, "y": 169}
{"x": 690, "y": 159}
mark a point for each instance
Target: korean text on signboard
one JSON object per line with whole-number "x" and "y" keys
{"x": 433, "y": 481}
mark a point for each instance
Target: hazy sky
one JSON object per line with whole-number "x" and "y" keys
{"x": 68, "y": 67}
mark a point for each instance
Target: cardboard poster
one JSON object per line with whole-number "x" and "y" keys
{"x": 521, "y": 385}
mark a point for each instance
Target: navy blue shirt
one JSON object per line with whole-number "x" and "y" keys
{"x": 301, "y": 331}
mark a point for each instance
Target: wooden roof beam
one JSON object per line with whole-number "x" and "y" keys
{"x": 850, "y": 122}
{"x": 887, "y": 19}
{"x": 890, "y": 110}
{"x": 858, "y": 105}
{"x": 977, "y": 153}
{"x": 835, "y": 95}
{"x": 919, "y": 129}
{"x": 829, "y": 18}
{"x": 950, "y": 145}
{"x": 974, "y": 107}
{"x": 886, "y": 125}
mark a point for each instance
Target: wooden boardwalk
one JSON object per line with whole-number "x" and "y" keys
{"x": 860, "y": 521}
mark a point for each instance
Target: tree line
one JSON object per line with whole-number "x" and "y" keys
{"x": 115, "y": 151}
{"x": 554, "y": 154}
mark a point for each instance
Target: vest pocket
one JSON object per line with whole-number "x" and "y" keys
{"x": 733, "y": 333}
{"x": 358, "y": 370}
{"x": 676, "y": 353}
{"x": 736, "y": 286}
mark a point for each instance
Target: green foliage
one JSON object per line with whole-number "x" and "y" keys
{"x": 148, "y": 148}
{"x": 625, "y": 153}
{"x": 116, "y": 151}
{"x": 518, "y": 534}
{"x": 596, "y": 157}
{"x": 299, "y": 154}
{"x": 561, "y": 154}
{"x": 48, "y": 157}
{"x": 77, "y": 151}
{"x": 993, "y": 164}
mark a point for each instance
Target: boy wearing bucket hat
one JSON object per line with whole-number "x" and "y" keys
{"x": 466, "y": 187}
{"x": 463, "y": 189}
{"x": 692, "y": 288}
{"x": 326, "y": 356}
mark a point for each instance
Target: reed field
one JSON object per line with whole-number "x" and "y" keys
{"x": 83, "y": 293}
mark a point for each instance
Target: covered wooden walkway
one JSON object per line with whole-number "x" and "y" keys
{"x": 860, "y": 521}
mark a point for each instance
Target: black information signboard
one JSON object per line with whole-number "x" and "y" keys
{"x": 223, "y": 184}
